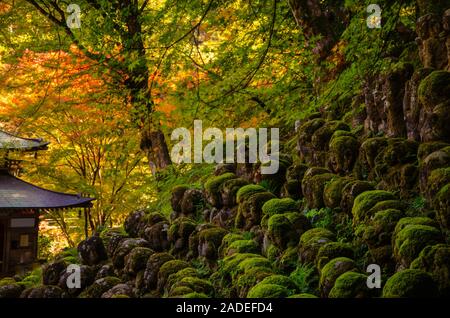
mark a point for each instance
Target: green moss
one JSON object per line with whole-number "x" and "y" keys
{"x": 213, "y": 184}
{"x": 313, "y": 189}
{"x": 435, "y": 260}
{"x": 294, "y": 176}
{"x": 322, "y": 136}
{"x": 277, "y": 206}
{"x": 331, "y": 251}
{"x": 196, "y": 284}
{"x": 442, "y": 204}
{"x": 250, "y": 211}
{"x": 378, "y": 231}
{"x": 167, "y": 269}
{"x": 242, "y": 246}
{"x": 250, "y": 278}
{"x": 288, "y": 260}
{"x": 350, "y": 285}
{"x": 195, "y": 295}
{"x": 268, "y": 291}
{"x": 181, "y": 227}
{"x": 273, "y": 252}
{"x": 280, "y": 280}
{"x": 230, "y": 189}
{"x": 387, "y": 205}
{"x": 367, "y": 200}
{"x": 403, "y": 222}
{"x": 304, "y": 295}
{"x": 281, "y": 231}
{"x": 227, "y": 240}
{"x": 306, "y": 131}
{"x": 180, "y": 291}
{"x": 342, "y": 133}
{"x": 332, "y": 270}
{"x": 120, "y": 296}
{"x": 99, "y": 287}
{"x": 343, "y": 152}
{"x": 274, "y": 182}
{"x": 332, "y": 193}
{"x": 311, "y": 241}
{"x": 228, "y": 265}
{"x": 410, "y": 283}
{"x": 350, "y": 191}
{"x": 185, "y": 272}
{"x": 7, "y": 281}
{"x": 434, "y": 89}
{"x": 252, "y": 263}
{"x": 213, "y": 235}
{"x": 426, "y": 148}
{"x": 410, "y": 241}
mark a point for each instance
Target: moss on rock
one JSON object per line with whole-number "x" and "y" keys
{"x": 343, "y": 152}
{"x": 311, "y": 241}
{"x": 410, "y": 241}
{"x": 442, "y": 205}
{"x": 250, "y": 211}
{"x": 350, "y": 285}
{"x": 167, "y": 269}
{"x": 268, "y": 291}
{"x": 367, "y": 200}
{"x": 213, "y": 187}
{"x": 378, "y": 231}
{"x": 350, "y": 191}
{"x": 434, "y": 89}
{"x": 332, "y": 250}
{"x": 229, "y": 190}
{"x": 332, "y": 270}
{"x": 303, "y": 295}
{"x": 410, "y": 283}
{"x": 313, "y": 189}
{"x": 284, "y": 230}
{"x": 177, "y": 195}
{"x": 278, "y": 206}
{"x": 242, "y": 246}
{"x": 435, "y": 260}
{"x": 332, "y": 193}
{"x": 247, "y": 191}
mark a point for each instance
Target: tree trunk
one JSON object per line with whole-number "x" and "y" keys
{"x": 316, "y": 21}
{"x": 153, "y": 142}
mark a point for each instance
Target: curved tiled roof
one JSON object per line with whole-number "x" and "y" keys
{"x": 12, "y": 142}
{"x": 18, "y": 194}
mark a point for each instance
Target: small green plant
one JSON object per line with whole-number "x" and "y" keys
{"x": 306, "y": 278}
{"x": 321, "y": 218}
{"x": 418, "y": 203}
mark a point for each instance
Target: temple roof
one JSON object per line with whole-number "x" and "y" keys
{"x": 12, "y": 142}
{"x": 18, "y": 194}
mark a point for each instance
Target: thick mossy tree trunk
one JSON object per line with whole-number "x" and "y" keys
{"x": 153, "y": 142}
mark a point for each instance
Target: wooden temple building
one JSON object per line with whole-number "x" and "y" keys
{"x": 21, "y": 203}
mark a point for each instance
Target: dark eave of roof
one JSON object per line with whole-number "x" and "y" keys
{"x": 18, "y": 194}
{"x": 14, "y": 143}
